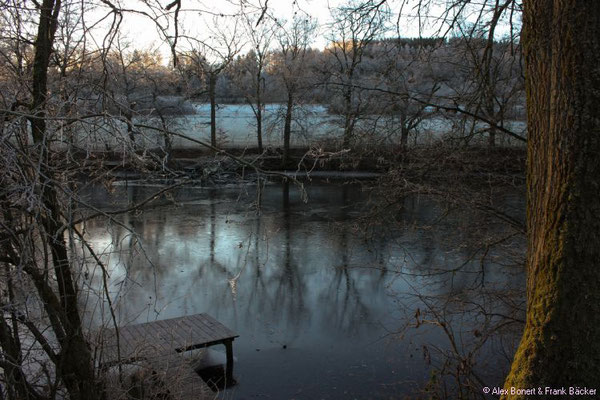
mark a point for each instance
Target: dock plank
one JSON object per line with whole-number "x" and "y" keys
{"x": 199, "y": 336}
{"x": 210, "y": 326}
{"x": 208, "y": 334}
{"x": 216, "y": 325}
{"x": 162, "y": 344}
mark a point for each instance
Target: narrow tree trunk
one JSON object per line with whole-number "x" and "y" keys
{"x": 41, "y": 61}
{"x": 75, "y": 365}
{"x": 492, "y": 136}
{"x": 16, "y": 382}
{"x": 212, "y": 83}
{"x": 492, "y": 117}
{"x": 259, "y": 128}
{"x": 403, "y": 134}
{"x": 561, "y": 342}
{"x": 259, "y": 107}
{"x": 129, "y": 118}
{"x": 287, "y": 128}
{"x": 489, "y": 83}
{"x": 167, "y": 141}
{"x": 75, "y": 362}
{"x": 348, "y": 116}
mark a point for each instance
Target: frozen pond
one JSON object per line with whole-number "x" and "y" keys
{"x": 321, "y": 303}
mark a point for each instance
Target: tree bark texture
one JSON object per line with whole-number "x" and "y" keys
{"x": 43, "y": 48}
{"x": 560, "y": 346}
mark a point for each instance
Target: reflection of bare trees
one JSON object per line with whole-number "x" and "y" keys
{"x": 288, "y": 278}
{"x": 476, "y": 334}
{"x": 343, "y": 304}
{"x": 212, "y": 226}
{"x": 291, "y": 271}
{"x": 262, "y": 260}
{"x": 462, "y": 284}
{"x": 342, "y": 298}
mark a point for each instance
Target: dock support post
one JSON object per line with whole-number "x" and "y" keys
{"x": 229, "y": 366}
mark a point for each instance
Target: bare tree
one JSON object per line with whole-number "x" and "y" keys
{"x": 355, "y": 25}
{"x": 409, "y": 82}
{"x": 294, "y": 42}
{"x": 260, "y": 32}
{"x": 492, "y": 77}
{"x": 33, "y": 237}
{"x": 209, "y": 57}
{"x": 53, "y": 82}
{"x": 47, "y": 351}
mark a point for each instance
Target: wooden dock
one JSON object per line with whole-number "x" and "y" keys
{"x": 162, "y": 344}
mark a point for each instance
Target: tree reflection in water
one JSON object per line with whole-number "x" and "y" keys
{"x": 326, "y": 303}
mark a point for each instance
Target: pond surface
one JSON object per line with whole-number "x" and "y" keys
{"x": 326, "y": 305}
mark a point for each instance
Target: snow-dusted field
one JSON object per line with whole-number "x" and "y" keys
{"x": 312, "y": 125}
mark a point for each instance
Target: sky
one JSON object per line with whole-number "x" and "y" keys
{"x": 198, "y": 19}
{"x": 201, "y": 18}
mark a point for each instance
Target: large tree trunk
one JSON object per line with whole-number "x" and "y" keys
{"x": 561, "y": 342}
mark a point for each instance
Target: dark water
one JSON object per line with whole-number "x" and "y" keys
{"x": 328, "y": 305}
